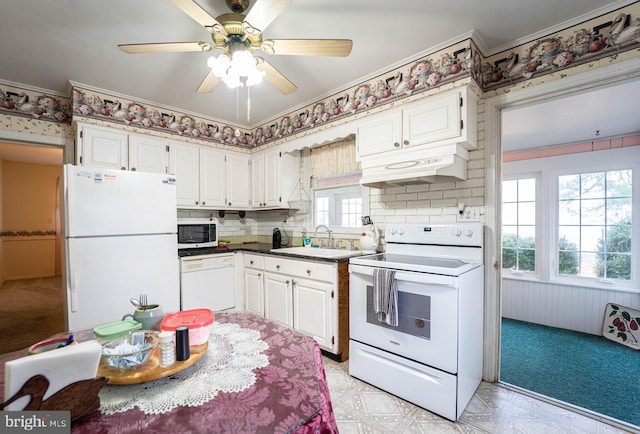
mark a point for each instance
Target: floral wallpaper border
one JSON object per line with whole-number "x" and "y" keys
{"x": 44, "y": 233}
{"x": 605, "y": 37}
{"x": 453, "y": 64}
{"x": 26, "y": 103}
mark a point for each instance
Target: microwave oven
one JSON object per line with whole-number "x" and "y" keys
{"x": 197, "y": 233}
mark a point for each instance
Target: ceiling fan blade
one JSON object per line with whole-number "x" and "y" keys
{"x": 262, "y": 14}
{"x": 274, "y": 77}
{"x": 308, "y": 47}
{"x": 204, "y": 18}
{"x": 209, "y": 83}
{"x": 166, "y": 47}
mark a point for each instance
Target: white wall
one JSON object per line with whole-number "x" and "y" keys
{"x": 563, "y": 306}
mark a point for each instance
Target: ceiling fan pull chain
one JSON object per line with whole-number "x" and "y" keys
{"x": 237, "y": 131}
{"x": 248, "y": 104}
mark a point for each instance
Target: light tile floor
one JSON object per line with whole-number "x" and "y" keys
{"x": 361, "y": 408}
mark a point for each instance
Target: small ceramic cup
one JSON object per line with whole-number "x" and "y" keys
{"x": 150, "y": 318}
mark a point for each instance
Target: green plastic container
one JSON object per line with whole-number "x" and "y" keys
{"x": 116, "y": 329}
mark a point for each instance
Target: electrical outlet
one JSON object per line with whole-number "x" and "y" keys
{"x": 470, "y": 214}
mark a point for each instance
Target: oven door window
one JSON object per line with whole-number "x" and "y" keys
{"x": 414, "y": 314}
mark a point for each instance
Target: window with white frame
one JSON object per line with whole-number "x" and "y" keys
{"x": 338, "y": 199}
{"x": 594, "y": 224}
{"x": 579, "y": 225}
{"x": 519, "y": 225}
{"x": 338, "y": 206}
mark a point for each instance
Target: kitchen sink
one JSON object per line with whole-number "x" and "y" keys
{"x": 318, "y": 252}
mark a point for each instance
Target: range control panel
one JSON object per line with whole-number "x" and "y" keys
{"x": 452, "y": 234}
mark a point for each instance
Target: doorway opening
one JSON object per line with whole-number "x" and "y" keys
{"x": 554, "y": 286}
{"x": 31, "y": 298}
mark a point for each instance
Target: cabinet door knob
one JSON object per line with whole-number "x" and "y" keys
{"x": 309, "y": 272}
{"x": 396, "y": 144}
{"x": 203, "y": 203}
{"x": 251, "y": 262}
{"x": 133, "y": 169}
{"x": 196, "y": 202}
{"x": 287, "y": 281}
{"x": 278, "y": 267}
{"x": 406, "y": 143}
{"x": 123, "y": 168}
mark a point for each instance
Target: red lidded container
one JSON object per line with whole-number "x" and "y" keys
{"x": 197, "y": 320}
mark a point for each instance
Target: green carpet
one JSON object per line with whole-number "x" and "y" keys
{"x": 582, "y": 369}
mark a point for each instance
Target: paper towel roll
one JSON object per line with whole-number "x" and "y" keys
{"x": 62, "y": 366}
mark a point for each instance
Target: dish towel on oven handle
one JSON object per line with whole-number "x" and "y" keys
{"x": 385, "y": 296}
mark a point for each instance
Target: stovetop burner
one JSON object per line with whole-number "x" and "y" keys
{"x": 446, "y": 249}
{"x": 444, "y": 266}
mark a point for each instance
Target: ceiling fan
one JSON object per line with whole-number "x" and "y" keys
{"x": 234, "y": 32}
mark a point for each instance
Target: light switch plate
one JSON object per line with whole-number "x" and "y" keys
{"x": 470, "y": 214}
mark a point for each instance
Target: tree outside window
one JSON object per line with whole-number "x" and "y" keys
{"x": 519, "y": 225}
{"x": 594, "y": 224}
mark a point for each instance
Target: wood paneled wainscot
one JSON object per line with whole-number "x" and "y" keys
{"x": 309, "y": 296}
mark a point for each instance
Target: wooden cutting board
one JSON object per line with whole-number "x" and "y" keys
{"x": 151, "y": 370}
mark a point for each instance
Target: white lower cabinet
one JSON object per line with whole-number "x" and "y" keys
{"x": 278, "y": 296}
{"x": 300, "y": 294}
{"x": 254, "y": 283}
{"x": 313, "y": 310}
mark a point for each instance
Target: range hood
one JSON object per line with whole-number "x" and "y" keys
{"x": 416, "y": 169}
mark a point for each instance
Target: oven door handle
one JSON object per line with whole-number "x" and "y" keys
{"x": 426, "y": 279}
{"x": 409, "y": 276}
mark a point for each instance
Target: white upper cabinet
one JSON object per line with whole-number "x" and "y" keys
{"x": 449, "y": 117}
{"x": 184, "y": 162}
{"x": 238, "y": 180}
{"x": 257, "y": 181}
{"x": 114, "y": 149}
{"x": 213, "y": 181}
{"x": 148, "y": 154}
{"x": 274, "y": 176}
{"x": 435, "y": 120}
{"x": 379, "y": 133}
{"x": 209, "y": 178}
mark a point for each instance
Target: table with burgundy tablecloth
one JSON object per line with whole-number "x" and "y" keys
{"x": 257, "y": 376}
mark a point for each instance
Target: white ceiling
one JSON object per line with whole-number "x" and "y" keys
{"x": 47, "y": 44}
{"x": 593, "y": 115}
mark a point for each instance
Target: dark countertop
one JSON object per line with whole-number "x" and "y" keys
{"x": 229, "y": 248}
{"x": 252, "y": 247}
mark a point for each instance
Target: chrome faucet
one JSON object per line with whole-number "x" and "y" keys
{"x": 315, "y": 232}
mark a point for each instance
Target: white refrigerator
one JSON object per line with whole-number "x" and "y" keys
{"x": 120, "y": 242}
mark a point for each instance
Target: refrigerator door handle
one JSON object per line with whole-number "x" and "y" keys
{"x": 73, "y": 295}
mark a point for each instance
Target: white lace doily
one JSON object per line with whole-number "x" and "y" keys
{"x": 233, "y": 354}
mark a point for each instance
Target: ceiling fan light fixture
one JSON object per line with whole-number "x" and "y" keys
{"x": 219, "y": 65}
{"x": 237, "y": 71}
{"x": 243, "y": 62}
